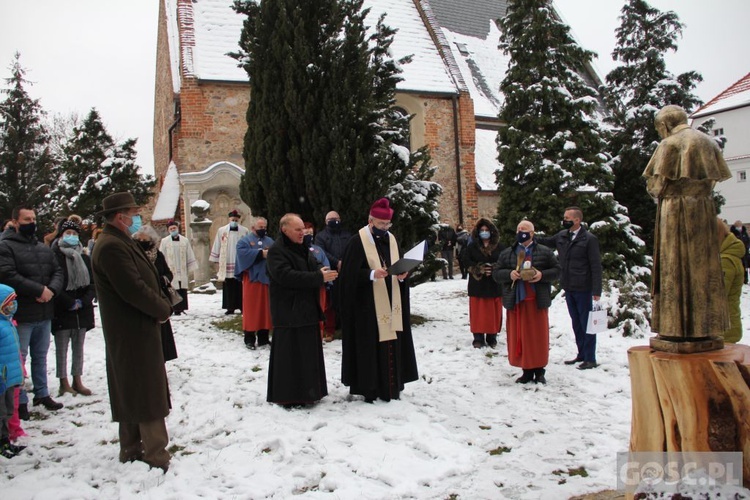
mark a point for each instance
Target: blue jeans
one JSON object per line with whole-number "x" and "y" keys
{"x": 579, "y": 306}
{"x": 35, "y": 337}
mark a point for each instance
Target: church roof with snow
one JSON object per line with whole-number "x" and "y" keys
{"x": 736, "y": 96}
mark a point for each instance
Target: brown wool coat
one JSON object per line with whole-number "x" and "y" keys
{"x": 131, "y": 304}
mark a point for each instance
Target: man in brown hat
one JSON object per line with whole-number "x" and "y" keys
{"x": 132, "y": 307}
{"x": 378, "y": 349}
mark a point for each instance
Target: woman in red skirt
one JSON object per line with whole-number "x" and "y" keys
{"x": 485, "y": 306}
{"x": 526, "y": 271}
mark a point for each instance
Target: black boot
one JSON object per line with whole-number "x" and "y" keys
{"x": 263, "y": 338}
{"x": 539, "y": 376}
{"x": 23, "y": 411}
{"x": 478, "y": 340}
{"x": 250, "y": 340}
{"x": 9, "y": 450}
{"x": 528, "y": 376}
{"x": 492, "y": 340}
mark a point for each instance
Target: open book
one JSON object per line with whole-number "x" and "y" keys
{"x": 410, "y": 260}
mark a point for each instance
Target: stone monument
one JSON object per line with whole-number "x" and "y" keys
{"x": 200, "y": 240}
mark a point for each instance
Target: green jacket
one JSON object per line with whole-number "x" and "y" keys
{"x": 732, "y": 251}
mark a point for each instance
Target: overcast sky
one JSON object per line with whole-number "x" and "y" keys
{"x": 102, "y": 53}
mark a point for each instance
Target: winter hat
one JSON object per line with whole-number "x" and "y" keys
{"x": 116, "y": 202}
{"x": 234, "y": 213}
{"x": 381, "y": 209}
{"x": 69, "y": 224}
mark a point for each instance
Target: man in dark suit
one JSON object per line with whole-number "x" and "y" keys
{"x": 132, "y": 307}
{"x": 581, "y": 279}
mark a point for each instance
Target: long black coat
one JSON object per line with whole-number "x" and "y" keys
{"x": 333, "y": 244}
{"x": 296, "y": 369}
{"x": 543, "y": 260}
{"x": 131, "y": 305}
{"x": 362, "y": 352}
{"x": 27, "y": 266}
{"x": 168, "y": 346}
{"x": 65, "y": 319}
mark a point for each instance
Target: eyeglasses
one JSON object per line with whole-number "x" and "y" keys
{"x": 382, "y": 225}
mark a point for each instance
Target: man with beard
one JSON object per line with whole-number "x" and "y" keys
{"x": 378, "y": 349}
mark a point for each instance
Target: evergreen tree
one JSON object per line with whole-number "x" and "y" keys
{"x": 551, "y": 146}
{"x": 25, "y": 161}
{"x": 323, "y": 133}
{"x": 635, "y": 91}
{"x": 95, "y": 166}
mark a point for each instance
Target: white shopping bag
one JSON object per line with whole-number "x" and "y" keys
{"x": 597, "y": 320}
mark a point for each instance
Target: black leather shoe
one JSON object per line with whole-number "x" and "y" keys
{"x": 48, "y": 403}
{"x": 572, "y": 361}
{"x": 587, "y": 365}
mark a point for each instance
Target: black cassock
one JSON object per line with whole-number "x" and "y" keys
{"x": 369, "y": 367}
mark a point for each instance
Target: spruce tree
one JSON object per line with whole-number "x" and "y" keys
{"x": 635, "y": 91}
{"x": 551, "y": 147}
{"x": 95, "y": 166}
{"x": 322, "y": 130}
{"x": 25, "y": 161}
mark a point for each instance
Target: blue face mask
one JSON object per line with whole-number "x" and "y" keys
{"x": 136, "y": 223}
{"x": 485, "y": 235}
{"x": 71, "y": 240}
{"x": 174, "y": 234}
{"x": 233, "y": 224}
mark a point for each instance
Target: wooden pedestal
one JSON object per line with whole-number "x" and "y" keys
{"x": 691, "y": 402}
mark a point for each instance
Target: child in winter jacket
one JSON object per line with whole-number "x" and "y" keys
{"x": 11, "y": 374}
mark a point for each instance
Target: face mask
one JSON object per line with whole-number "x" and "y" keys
{"x": 146, "y": 245}
{"x": 567, "y": 224}
{"x": 523, "y": 237}
{"x": 71, "y": 240}
{"x": 136, "y": 224}
{"x": 174, "y": 234}
{"x": 261, "y": 233}
{"x": 27, "y": 229}
{"x": 307, "y": 240}
{"x": 333, "y": 224}
{"x": 379, "y": 233}
{"x": 233, "y": 224}
{"x": 485, "y": 235}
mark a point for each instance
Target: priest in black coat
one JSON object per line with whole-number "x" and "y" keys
{"x": 296, "y": 369}
{"x": 378, "y": 349}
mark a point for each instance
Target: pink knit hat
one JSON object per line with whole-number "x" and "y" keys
{"x": 381, "y": 209}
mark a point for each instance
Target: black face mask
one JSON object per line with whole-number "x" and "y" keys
{"x": 146, "y": 245}
{"x": 307, "y": 240}
{"x": 261, "y": 233}
{"x": 27, "y": 229}
{"x": 523, "y": 237}
{"x": 334, "y": 224}
{"x": 379, "y": 233}
{"x": 567, "y": 224}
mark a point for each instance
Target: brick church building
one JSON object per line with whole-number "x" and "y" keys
{"x": 451, "y": 88}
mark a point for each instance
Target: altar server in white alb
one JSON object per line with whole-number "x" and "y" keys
{"x": 181, "y": 260}
{"x": 224, "y": 252}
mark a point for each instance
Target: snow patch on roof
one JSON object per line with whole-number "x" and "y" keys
{"x": 485, "y": 159}
{"x": 173, "y": 41}
{"x": 169, "y": 195}
{"x": 483, "y": 66}
{"x": 217, "y": 33}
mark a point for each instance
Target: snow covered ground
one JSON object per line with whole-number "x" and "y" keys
{"x": 464, "y": 430}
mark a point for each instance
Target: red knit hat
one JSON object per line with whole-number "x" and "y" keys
{"x": 381, "y": 209}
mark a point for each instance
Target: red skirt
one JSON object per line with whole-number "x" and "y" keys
{"x": 256, "y": 306}
{"x": 528, "y": 335}
{"x": 485, "y": 314}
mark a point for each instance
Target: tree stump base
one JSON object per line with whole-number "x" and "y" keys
{"x": 682, "y": 346}
{"x": 691, "y": 402}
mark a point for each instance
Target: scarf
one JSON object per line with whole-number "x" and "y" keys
{"x": 78, "y": 274}
{"x": 388, "y": 314}
{"x": 523, "y": 254}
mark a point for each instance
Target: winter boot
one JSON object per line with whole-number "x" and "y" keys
{"x": 263, "y": 338}
{"x": 9, "y": 450}
{"x": 528, "y": 376}
{"x": 250, "y": 340}
{"x": 79, "y": 387}
{"x": 492, "y": 340}
{"x": 23, "y": 411}
{"x": 478, "y": 340}
{"x": 65, "y": 387}
{"x": 539, "y": 376}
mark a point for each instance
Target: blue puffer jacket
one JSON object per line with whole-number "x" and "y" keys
{"x": 10, "y": 357}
